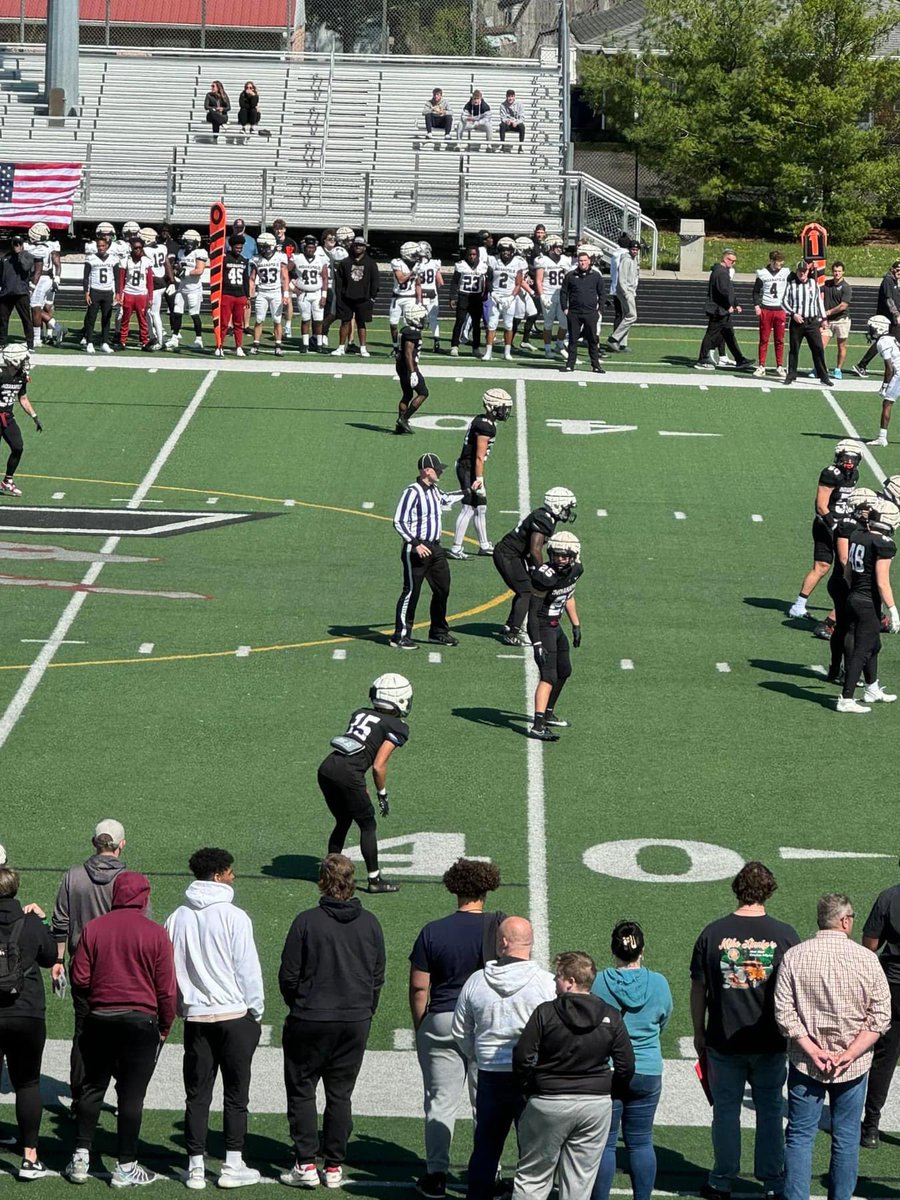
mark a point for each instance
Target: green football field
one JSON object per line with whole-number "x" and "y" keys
{"x": 189, "y": 684}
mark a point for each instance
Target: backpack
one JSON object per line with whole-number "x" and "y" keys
{"x": 12, "y": 972}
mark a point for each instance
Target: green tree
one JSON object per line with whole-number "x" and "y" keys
{"x": 759, "y": 113}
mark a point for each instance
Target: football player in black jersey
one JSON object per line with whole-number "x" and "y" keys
{"x": 553, "y": 592}
{"x": 836, "y": 482}
{"x": 14, "y": 363}
{"x": 470, "y": 465}
{"x": 522, "y": 549}
{"x": 838, "y": 587}
{"x": 373, "y": 733}
{"x": 235, "y": 294}
{"x": 413, "y": 388}
{"x": 869, "y": 575}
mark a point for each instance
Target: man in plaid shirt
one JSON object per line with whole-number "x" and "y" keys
{"x": 832, "y": 1002}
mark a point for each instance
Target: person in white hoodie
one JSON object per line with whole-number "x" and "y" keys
{"x": 491, "y": 1012}
{"x": 220, "y": 997}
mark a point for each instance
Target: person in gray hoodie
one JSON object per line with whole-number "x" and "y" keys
{"x": 85, "y": 892}
{"x": 220, "y": 997}
{"x": 491, "y": 1012}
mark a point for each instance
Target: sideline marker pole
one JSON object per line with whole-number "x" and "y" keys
{"x": 217, "y": 221}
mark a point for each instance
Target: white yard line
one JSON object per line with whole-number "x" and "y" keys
{"x": 870, "y": 458}
{"x": 537, "y": 835}
{"x": 35, "y": 673}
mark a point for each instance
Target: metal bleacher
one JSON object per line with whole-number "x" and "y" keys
{"x": 341, "y": 139}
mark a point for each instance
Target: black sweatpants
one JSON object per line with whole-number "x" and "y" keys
{"x": 210, "y": 1047}
{"x": 810, "y": 333}
{"x": 102, "y": 303}
{"x": 20, "y": 305}
{"x": 468, "y": 306}
{"x": 333, "y": 1052}
{"x": 76, "y": 1061}
{"x": 515, "y": 575}
{"x": 719, "y": 331}
{"x": 862, "y": 642}
{"x": 887, "y": 1050}
{"x": 124, "y": 1047}
{"x": 22, "y": 1042}
{"x": 348, "y": 801}
{"x": 417, "y": 570}
{"x": 839, "y": 592}
{"x": 12, "y": 435}
{"x": 586, "y": 323}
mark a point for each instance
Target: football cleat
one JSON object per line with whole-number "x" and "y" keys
{"x": 402, "y": 643}
{"x": 542, "y": 734}
{"x": 460, "y": 554}
{"x": 550, "y": 718}
{"x": 824, "y": 630}
{"x": 860, "y": 370}
{"x": 377, "y": 887}
{"x": 7, "y": 485}
{"x": 486, "y": 551}
{"x": 391, "y": 693}
{"x": 443, "y": 639}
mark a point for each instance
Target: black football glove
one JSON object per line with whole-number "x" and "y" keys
{"x": 38, "y": 426}
{"x": 576, "y": 636}
{"x": 384, "y": 805}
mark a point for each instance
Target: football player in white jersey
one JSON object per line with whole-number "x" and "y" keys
{"x": 135, "y": 289}
{"x": 163, "y": 283}
{"x": 191, "y": 260}
{"x": 525, "y": 308}
{"x": 551, "y": 268}
{"x": 310, "y": 285}
{"x": 100, "y": 271}
{"x": 269, "y": 288}
{"x": 887, "y": 346}
{"x": 46, "y": 252}
{"x": 507, "y": 269}
{"x": 428, "y": 273}
{"x": 406, "y": 288}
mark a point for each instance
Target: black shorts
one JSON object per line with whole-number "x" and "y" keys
{"x": 344, "y": 790}
{"x": 360, "y": 310}
{"x": 465, "y": 477}
{"x": 823, "y": 541}
{"x": 552, "y": 653}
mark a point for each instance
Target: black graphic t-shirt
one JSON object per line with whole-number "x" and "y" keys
{"x": 736, "y": 958}
{"x": 883, "y": 923}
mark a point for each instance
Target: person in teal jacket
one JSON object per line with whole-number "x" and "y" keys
{"x": 645, "y": 1002}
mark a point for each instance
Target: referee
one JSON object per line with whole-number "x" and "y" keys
{"x": 418, "y": 521}
{"x": 806, "y": 313}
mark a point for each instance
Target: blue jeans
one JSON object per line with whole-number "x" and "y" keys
{"x": 499, "y": 1102}
{"x": 635, "y": 1115}
{"x": 805, "y": 1099}
{"x": 728, "y": 1076}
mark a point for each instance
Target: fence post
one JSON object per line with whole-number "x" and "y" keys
{"x": 474, "y": 4}
{"x": 106, "y": 24}
{"x": 202, "y": 24}
{"x": 367, "y": 195}
{"x": 22, "y": 21}
{"x": 461, "y": 204}
{"x": 170, "y": 192}
{"x": 264, "y": 207}
{"x": 86, "y": 176}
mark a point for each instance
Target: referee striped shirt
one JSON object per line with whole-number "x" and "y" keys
{"x": 804, "y": 299}
{"x": 418, "y": 515}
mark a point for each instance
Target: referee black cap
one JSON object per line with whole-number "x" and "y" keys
{"x": 432, "y": 460}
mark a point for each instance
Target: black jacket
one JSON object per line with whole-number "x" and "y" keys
{"x": 38, "y": 949}
{"x": 16, "y": 271}
{"x": 332, "y": 965}
{"x": 583, "y": 291}
{"x": 565, "y": 1047}
{"x": 356, "y": 278}
{"x": 888, "y": 304}
{"x": 719, "y": 292}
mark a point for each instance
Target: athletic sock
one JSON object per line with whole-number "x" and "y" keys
{"x": 462, "y": 524}
{"x": 481, "y": 525}
{"x": 233, "y": 1158}
{"x": 195, "y": 1161}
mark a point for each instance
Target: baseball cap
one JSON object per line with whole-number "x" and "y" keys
{"x": 359, "y": 241}
{"x": 2, "y": 856}
{"x": 113, "y": 831}
{"x": 239, "y": 223}
{"x": 803, "y": 265}
{"x": 432, "y": 460}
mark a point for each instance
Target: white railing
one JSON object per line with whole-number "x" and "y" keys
{"x": 600, "y": 212}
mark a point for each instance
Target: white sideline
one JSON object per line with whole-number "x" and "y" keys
{"x": 871, "y": 460}
{"x": 537, "y": 844}
{"x": 36, "y": 671}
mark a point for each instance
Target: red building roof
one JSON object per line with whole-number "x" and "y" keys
{"x": 234, "y": 14}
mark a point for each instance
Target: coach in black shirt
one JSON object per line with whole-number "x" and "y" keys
{"x": 721, "y": 302}
{"x": 355, "y": 289}
{"x": 881, "y": 933}
{"x": 581, "y": 298}
{"x": 16, "y": 275}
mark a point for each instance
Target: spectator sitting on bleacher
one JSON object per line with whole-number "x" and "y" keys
{"x": 248, "y": 108}
{"x": 476, "y": 115}
{"x": 217, "y": 107}
{"x": 512, "y": 118}
{"x": 437, "y": 115}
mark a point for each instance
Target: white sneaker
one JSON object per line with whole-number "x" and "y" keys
{"x": 134, "y": 1176}
{"x": 851, "y": 705}
{"x": 106, "y": 348}
{"x": 288, "y": 332}
{"x": 89, "y": 348}
{"x": 239, "y": 353}
{"x": 337, "y": 354}
{"x": 303, "y": 1175}
{"x": 174, "y": 342}
{"x": 78, "y": 1169}
{"x": 364, "y": 352}
{"x": 781, "y": 372}
{"x": 797, "y": 610}
{"x": 489, "y": 350}
{"x": 428, "y": 135}
{"x": 334, "y": 1177}
{"x": 454, "y": 351}
{"x": 198, "y": 343}
{"x": 460, "y": 554}
{"x": 725, "y": 361}
{"x": 875, "y": 692}
{"x": 218, "y": 352}
{"x": 195, "y": 1179}
{"x": 235, "y": 1177}
{"x": 507, "y": 353}
{"x": 83, "y": 342}
{"x": 759, "y": 373}
{"x": 881, "y": 440}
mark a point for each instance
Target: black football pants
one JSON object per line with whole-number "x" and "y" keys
{"x": 12, "y": 435}
{"x": 515, "y": 575}
{"x": 810, "y": 333}
{"x": 349, "y": 801}
{"x": 416, "y": 570}
{"x": 210, "y": 1047}
{"x": 861, "y": 644}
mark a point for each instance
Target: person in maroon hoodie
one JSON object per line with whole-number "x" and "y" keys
{"x": 125, "y": 963}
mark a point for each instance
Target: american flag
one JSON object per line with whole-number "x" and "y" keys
{"x": 38, "y": 192}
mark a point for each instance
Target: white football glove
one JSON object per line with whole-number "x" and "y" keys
{"x": 895, "y": 619}
{"x": 171, "y": 289}
{"x": 414, "y": 379}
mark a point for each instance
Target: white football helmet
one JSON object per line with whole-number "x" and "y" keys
{"x": 392, "y": 693}
{"x": 345, "y": 235}
{"x": 415, "y": 315}
{"x": 39, "y": 232}
{"x": 191, "y": 239}
{"x": 424, "y": 251}
{"x": 524, "y": 245}
{"x": 409, "y": 251}
{"x": 877, "y": 327}
{"x": 498, "y": 404}
{"x": 554, "y": 243}
{"x": 862, "y": 497}
{"x": 892, "y": 488}
{"x": 16, "y": 355}
{"x": 130, "y": 229}
{"x": 884, "y": 517}
{"x": 149, "y": 236}
{"x": 564, "y": 545}
{"x": 561, "y": 503}
{"x": 266, "y": 244}
{"x": 846, "y": 449}
{"x": 105, "y": 229}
